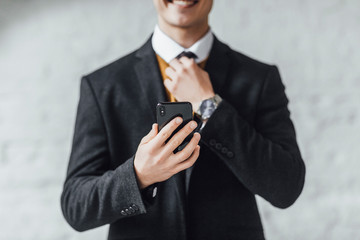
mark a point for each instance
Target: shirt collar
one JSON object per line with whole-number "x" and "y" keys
{"x": 168, "y": 49}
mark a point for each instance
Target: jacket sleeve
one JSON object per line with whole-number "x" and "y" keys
{"x": 94, "y": 194}
{"x": 263, "y": 155}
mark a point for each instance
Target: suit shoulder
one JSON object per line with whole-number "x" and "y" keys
{"x": 240, "y": 63}
{"x": 250, "y": 63}
{"x": 116, "y": 70}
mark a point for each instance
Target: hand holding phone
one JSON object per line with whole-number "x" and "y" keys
{"x": 156, "y": 158}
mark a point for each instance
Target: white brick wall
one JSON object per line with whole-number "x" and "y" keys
{"x": 45, "y": 47}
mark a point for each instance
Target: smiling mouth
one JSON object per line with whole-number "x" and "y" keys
{"x": 183, "y": 3}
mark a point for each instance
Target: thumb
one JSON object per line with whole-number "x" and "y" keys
{"x": 151, "y": 134}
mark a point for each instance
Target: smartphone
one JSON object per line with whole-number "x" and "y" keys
{"x": 167, "y": 111}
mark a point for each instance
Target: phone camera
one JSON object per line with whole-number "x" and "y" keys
{"x": 162, "y": 111}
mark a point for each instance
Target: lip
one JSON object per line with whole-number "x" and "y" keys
{"x": 183, "y": 3}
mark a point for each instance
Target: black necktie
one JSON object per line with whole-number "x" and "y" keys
{"x": 187, "y": 54}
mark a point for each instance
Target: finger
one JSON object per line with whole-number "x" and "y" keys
{"x": 171, "y": 73}
{"x": 188, "y": 162}
{"x": 189, "y": 149}
{"x": 175, "y": 64}
{"x": 179, "y": 137}
{"x": 187, "y": 61}
{"x": 170, "y": 85}
{"x": 166, "y": 131}
{"x": 151, "y": 134}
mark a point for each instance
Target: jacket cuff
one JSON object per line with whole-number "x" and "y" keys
{"x": 149, "y": 194}
{"x": 132, "y": 203}
{"x": 214, "y": 139}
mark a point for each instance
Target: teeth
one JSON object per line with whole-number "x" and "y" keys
{"x": 183, "y": 3}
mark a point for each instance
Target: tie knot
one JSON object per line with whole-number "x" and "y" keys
{"x": 187, "y": 54}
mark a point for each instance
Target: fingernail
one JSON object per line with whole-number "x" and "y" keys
{"x": 178, "y": 120}
{"x": 193, "y": 125}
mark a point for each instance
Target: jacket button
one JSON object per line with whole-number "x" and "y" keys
{"x": 224, "y": 150}
{"x": 123, "y": 213}
{"x": 131, "y": 210}
{"x": 218, "y": 146}
{"x": 212, "y": 142}
{"x": 135, "y": 207}
{"x": 127, "y": 211}
{"x": 230, "y": 154}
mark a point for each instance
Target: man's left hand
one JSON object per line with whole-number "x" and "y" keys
{"x": 188, "y": 82}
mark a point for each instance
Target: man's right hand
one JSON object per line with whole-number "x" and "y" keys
{"x": 154, "y": 159}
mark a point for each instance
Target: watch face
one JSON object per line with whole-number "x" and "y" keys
{"x": 207, "y": 107}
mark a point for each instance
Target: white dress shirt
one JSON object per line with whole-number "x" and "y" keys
{"x": 168, "y": 49}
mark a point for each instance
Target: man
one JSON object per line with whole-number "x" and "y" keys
{"x": 123, "y": 175}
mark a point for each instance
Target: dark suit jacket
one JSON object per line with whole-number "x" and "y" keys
{"x": 248, "y": 147}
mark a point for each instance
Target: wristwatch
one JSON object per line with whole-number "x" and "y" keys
{"x": 208, "y": 106}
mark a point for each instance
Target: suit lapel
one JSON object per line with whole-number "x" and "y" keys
{"x": 218, "y": 64}
{"x": 149, "y": 77}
